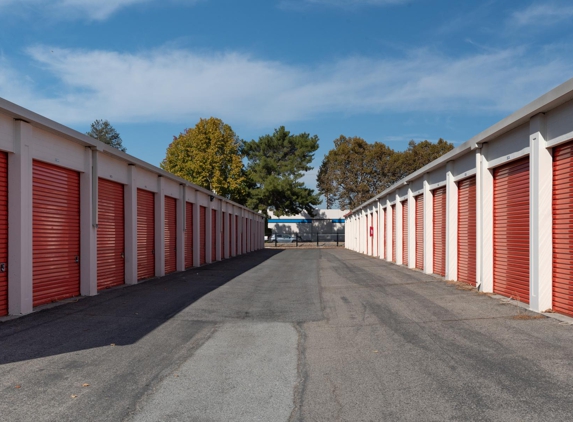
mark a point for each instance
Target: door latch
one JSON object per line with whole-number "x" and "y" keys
{"x": 77, "y": 259}
{"x": 2, "y": 267}
{"x": 123, "y": 254}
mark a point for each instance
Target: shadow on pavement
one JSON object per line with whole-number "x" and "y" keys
{"x": 120, "y": 316}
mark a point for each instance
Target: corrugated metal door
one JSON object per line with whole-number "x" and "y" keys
{"x": 202, "y": 235}
{"x": 170, "y": 235}
{"x": 376, "y": 234}
{"x": 439, "y": 228}
{"x": 467, "y": 231}
{"x": 563, "y": 229}
{"x": 145, "y": 234}
{"x": 56, "y": 233}
{"x": 405, "y": 232}
{"x": 511, "y": 230}
{"x": 229, "y": 242}
{"x": 214, "y": 235}
{"x": 236, "y": 235}
{"x": 371, "y": 236}
{"x": 223, "y": 244}
{"x": 394, "y": 233}
{"x": 385, "y": 233}
{"x": 188, "y": 235}
{"x": 419, "y": 232}
{"x": 4, "y": 233}
{"x": 110, "y": 235}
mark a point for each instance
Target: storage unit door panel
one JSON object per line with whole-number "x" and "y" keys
{"x": 170, "y": 235}
{"x": 213, "y": 235}
{"x": 371, "y": 236}
{"x": 405, "y": 232}
{"x": 420, "y": 232}
{"x": 56, "y": 233}
{"x": 145, "y": 234}
{"x": 385, "y": 234}
{"x": 202, "y": 235}
{"x": 563, "y": 229}
{"x": 188, "y": 235}
{"x": 394, "y": 233}
{"x": 467, "y": 231}
{"x": 439, "y": 227}
{"x": 230, "y": 237}
{"x": 236, "y": 235}
{"x": 376, "y": 234}
{"x": 223, "y": 244}
{"x": 4, "y": 233}
{"x": 110, "y": 235}
{"x": 511, "y": 230}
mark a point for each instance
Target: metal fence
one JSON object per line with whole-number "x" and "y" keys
{"x": 307, "y": 240}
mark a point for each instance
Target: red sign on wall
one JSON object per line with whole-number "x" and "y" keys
{"x": 371, "y": 231}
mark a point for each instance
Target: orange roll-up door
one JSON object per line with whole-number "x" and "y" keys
{"x": 467, "y": 231}
{"x": 439, "y": 228}
{"x": 202, "y": 235}
{"x": 188, "y": 235}
{"x": 170, "y": 235}
{"x": 393, "y": 233}
{"x": 56, "y": 233}
{"x": 405, "y": 232}
{"x": 110, "y": 235}
{"x": 511, "y": 230}
{"x": 420, "y": 232}
{"x": 563, "y": 229}
{"x": 371, "y": 237}
{"x": 4, "y": 233}
{"x": 145, "y": 234}
{"x": 214, "y": 235}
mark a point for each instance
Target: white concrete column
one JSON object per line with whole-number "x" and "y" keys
{"x": 428, "y": 228}
{"x": 130, "y": 215}
{"x": 398, "y": 230}
{"x": 160, "y": 229}
{"x": 486, "y": 208}
{"x": 209, "y": 233}
{"x": 540, "y": 223}
{"x": 181, "y": 212}
{"x": 411, "y": 229}
{"x": 88, "y": 224}
{"x": 451, "y": 224}
{"x": 20, "y": 286}
{"x": 196, "y": 230}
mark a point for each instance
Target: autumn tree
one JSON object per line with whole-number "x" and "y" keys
{"x": 276, "y": 163}
{"x": 103, "y": 131}
{"x": 209, "y": 155}
{"x": 354, "y": 170}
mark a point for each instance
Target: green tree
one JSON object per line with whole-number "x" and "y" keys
{"x": 209, "y": 155}
{"x": 354, "y": 170}
{"x": 103, "y": 131}
{"x": 276, "y": 164}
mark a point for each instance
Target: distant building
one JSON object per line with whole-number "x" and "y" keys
{"x": 327, "y": 224}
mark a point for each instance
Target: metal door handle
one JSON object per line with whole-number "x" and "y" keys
{"x": 123, "y": 254}
{"x": 2, "y": 267}
{"x": 77, "y": 259}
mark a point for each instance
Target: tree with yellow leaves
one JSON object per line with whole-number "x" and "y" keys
{"x": 210, "y": 156}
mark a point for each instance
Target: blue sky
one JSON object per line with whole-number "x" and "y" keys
{"x": 384, "y": 70}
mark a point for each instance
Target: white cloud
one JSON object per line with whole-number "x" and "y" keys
{"x": 72, "y": 9}
{"x": 178, "y": 85}
{"x": 541, "y": 14}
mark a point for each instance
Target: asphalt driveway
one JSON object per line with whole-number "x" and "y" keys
{"x": 313, "y": 335}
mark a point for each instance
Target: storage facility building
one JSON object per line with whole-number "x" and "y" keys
{"x": 495, "y": 212}
{"x": 78, "y": 216}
